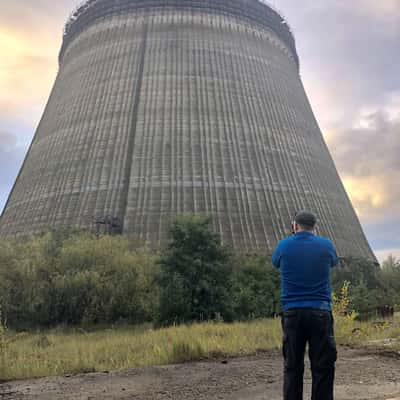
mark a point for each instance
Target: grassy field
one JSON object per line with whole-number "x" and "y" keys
{"x": 59, "y": 352}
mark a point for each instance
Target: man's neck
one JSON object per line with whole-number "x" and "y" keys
{"x": 305, "y": 231}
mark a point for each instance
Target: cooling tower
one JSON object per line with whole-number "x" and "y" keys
{"x": 165, "y": 107}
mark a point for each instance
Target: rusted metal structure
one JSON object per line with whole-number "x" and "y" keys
{"x": 164, "y": 107}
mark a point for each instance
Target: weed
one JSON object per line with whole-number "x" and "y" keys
{"x": 26, "y": 356}
{"x": 4, "y": 344}
{"x": 185, "y": 351}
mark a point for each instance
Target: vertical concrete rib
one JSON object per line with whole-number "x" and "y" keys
{"x": 132, "y": 131}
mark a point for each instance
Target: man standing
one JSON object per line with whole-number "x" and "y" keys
{"x": 305, "y": 261}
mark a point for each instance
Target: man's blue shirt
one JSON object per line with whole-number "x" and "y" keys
{"x": 305, "y": 261}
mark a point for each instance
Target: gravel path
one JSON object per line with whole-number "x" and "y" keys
{"x": 361, "y": 375}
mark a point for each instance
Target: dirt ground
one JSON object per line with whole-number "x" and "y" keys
{"x": 361, "y": 375}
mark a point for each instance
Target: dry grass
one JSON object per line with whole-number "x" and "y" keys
{"x": 60, "y": 352}
{"x": 379, "y": 333}
{"x": 57, "y": 353}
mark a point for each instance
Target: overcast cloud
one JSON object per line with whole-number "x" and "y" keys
{"x": 11, "y": 157}
{"x": 350, "y": 60}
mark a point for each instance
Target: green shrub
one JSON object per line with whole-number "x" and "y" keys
{"x": 369, "y": 286}
{"x": 196, "y": 274}
{"x": 256, "y": 288}
{"x": 46, "y": 281}
{"x": 75, "y": 278}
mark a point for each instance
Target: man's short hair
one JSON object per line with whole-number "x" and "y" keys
{"x": 306, "y": 220}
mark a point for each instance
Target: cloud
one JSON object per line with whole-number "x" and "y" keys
{"x": 387, "y": 10}
{"x": 371, "y": 147}
{"x": 384, "y": 236}
{"x": 30, "y": 38}
{"x": 11, "y": 157}
{"x": 348, "y": 53}
{"x": 26, "y": 75}
{"x": 384, "y": 233}
{"x": 367, "y": 157}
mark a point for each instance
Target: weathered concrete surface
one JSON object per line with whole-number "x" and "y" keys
{"x": 190, "y": 107}
{"x": 361, "y": 375}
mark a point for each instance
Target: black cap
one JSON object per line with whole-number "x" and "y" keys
{"x": 305, "y": 219}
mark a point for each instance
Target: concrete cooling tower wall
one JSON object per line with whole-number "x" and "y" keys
{"x": 164, "y": 107}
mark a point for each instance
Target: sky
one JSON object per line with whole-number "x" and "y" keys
{"x": 350, "y": 65}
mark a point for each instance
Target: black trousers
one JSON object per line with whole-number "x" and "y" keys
{"x": 315, "y": 327}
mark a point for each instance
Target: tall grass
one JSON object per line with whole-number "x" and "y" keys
{"x": 57, "y": 352}
{"x": 3, "y": 346}
{"x": 74, "y": 351}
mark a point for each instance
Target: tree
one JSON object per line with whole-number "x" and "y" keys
{"x": 363, "y": 300}
{"x": 355, "y": 271}
{"x": 73, "y": 278}
{"x": 367, "y": 289}
{"x": 391, "y": 264}
{"x": 196, "y": 273}
{"x": 256, "y": 288}
{"x": 390, "y": 278}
